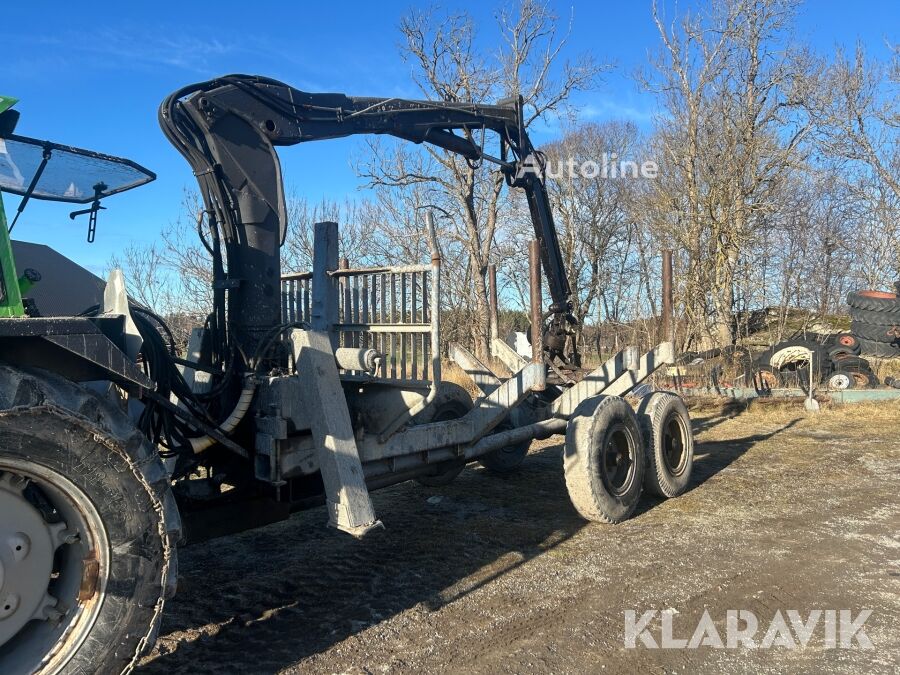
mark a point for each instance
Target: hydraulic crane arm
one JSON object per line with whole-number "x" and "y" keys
{"x": 228, "y": 128}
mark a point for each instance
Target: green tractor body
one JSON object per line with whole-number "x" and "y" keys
{"x": 10, "y": 291}
{"x": 11, "y": 288}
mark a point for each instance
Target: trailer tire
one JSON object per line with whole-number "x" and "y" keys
{"x": 451, "y": 403}
{"x": 603, "y": 460}
{"x": 849, "y": 361}
{"x": 82, "y": 460}
{"x": 847, "y": 341}
{"x": 841, "y": 380}
{"x": 668, "y": 444}
{"x": 506, "y": 460}
{"x": 842, "y": 352}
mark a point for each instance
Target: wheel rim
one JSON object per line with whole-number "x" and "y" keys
{"x": 881, "y": 295}
{"x": 768, "y": 379}
{"x": 54, "y": 565}
{"x": 847, "y": 340}
{"x": 861, "y": 379}
{"x": 673, "y": 445}
{"x": 618, "y": 460}
{"x": 840, "y": 381}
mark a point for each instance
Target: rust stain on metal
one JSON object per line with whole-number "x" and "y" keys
{"x": 89, "y": 577}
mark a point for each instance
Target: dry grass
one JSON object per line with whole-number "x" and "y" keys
{"x": 863, "y": 417}
{"x": 450, "y": 372}
{"x": 884, "y": 367}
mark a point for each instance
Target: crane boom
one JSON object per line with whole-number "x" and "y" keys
{"x": 228, "y": 128}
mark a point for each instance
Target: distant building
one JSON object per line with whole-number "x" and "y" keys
{"x": 65, "y": 288}
{"x": 520, "y": 342}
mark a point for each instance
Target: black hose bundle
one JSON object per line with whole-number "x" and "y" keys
{"x": 160, "y": 425}
{"x": 158, "y": 356}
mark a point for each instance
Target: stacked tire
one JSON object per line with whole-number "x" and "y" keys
{"x": 836, "y": 363}
{"x": 875, "y": 320}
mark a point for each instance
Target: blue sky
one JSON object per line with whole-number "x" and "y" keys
{"x": 93, "y": 75}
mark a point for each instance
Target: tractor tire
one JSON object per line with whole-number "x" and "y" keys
{"x": 668, "y": 444}
{"x": 767, "y": 378}
{"x": 604, "y": 460}
{"x": 90, "y": 499}
{"x": 850, "y": 362}
{"x": 847, "y": 341}
{"x": 885, "y": 333}
{"x": 879, "y": 349}
{"x": 868, "y": 316}
{"x": 841, "y": 352}
{"x": 874, "y": 301}
{"x": 451, "y": 403}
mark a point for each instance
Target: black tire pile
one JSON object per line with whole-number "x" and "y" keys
{"x": 875, "y": 320}
{"x": 835, "y": 359}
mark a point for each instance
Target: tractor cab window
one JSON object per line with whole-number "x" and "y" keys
{"x": 64, "y": 173}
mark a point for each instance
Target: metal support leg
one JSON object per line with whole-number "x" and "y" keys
{"x": 349, "y": 505}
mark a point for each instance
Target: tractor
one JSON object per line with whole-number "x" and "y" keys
{"x": 118, "y": 443}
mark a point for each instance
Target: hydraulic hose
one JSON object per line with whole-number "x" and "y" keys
{"x": 230, "y": 424}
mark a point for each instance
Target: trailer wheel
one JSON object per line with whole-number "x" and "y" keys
{"x": 668, "y": 444}
{"x": 505, "y": 461}
{"x": 451, "y": 403}
{"x": 604, "y": 459}
{"x": 841, "y": 380}
{"x": 88, "y": 530}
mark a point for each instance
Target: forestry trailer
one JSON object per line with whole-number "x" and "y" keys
{"x": 117, "y": 444}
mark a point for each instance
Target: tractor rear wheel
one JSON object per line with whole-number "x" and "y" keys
{"x": 88, "y": 528}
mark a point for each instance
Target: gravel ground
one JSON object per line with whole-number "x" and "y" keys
{"x": 787, "y": 511}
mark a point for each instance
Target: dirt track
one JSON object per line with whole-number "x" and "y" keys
{"x": 490, "y": 575}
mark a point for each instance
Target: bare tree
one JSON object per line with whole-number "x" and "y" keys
{"x": 855, "y": 104}
{"x": 732, "y": 131}
{"x": 447, "y": 64}
{"x": 358, "y": 230}
{"x": 593, "y": 216}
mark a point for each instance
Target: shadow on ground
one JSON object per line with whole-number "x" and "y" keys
{"x": 267, "y": 599}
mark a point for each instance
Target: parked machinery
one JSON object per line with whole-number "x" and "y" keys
{"x": 299, "y": 388}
